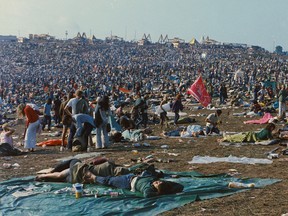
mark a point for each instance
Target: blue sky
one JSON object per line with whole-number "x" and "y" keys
{"x": 255, "y": 22}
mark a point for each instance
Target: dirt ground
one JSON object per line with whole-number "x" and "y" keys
{"x": 271, "y": 200}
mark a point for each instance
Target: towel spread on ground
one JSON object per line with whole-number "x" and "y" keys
{"x": 264, "y": 120}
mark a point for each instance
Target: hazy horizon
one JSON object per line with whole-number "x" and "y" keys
{"x": 253, "y": 22}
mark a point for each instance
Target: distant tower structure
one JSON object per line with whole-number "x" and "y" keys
{"x": 163, "y": 40}
{"x": 66, "y": 33}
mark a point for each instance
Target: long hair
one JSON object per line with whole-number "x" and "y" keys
{"x": 20, "y": 110}
{"x": 270, "y": 126}
{"x": 178, "y": 97}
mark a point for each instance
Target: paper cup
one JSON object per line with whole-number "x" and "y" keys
{"x": 78, "y": 190}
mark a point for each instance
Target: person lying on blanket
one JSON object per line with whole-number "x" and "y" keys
{"x": 145, "y": 183}
{"x": 251, "y": 136}
{"x": 72, "y": 171}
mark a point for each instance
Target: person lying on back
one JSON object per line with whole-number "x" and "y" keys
{"x": 147, "y": 184}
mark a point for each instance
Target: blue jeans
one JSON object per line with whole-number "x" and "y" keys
{"x": 123, "y": 182}
{"x": 176, "y": 117}
{"x": 222, "y": 99}
{"x": 46, "y": 120}
{"x": 211, "y": 130}
{"x": 102, "y": 138}
{"x": 71, "y": 135}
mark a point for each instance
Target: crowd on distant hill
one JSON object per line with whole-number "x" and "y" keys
{"x": 31, "y": 72}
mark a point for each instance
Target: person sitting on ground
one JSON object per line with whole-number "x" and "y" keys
{"x": 145, "y": 183}
{"x": 251, "y": 136}
{"x": 126, "y": 123}
{"x": 256, "y": 107}
{"x": 212, "y": 121}
{"x": 6, "y": 134}
{"x": 6, "y": 142}
{"x": 119, "y": 112}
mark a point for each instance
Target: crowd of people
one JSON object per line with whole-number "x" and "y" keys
{"x": 49, "y": 74}
{"x": 76, "y": 84}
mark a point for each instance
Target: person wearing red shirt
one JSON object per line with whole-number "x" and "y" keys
{"x": 31, "y": 112}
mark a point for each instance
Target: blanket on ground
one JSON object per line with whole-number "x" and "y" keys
{"x": 23, "y": 196}
{"x": 265, "y": 119}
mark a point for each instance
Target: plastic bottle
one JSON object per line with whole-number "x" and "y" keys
{"x": 240, "y": 185}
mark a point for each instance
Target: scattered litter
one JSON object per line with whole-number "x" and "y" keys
{"x": 7, "y": 158}
{"x": 134, "y": 151}
{"x": 7, "y": 165}
{"x": 273, "y": 156}
{"x": 146, "y": 144}
{"x": 272, "y": 151}
{"x": 233, "y": 172}
{"x": 164, "y": 146}
{"x": 152, "y": 138}
{"x": 193, "y": 168}
{"x": 136, "y": 145}
{"x": 165, "y": 160}
{"x": 15, "y": 165}
{"x": 64, "y": 190}
{"x": 173, "y": 154}
{"x": 230, "y": 159}
{"x": 240, "y": 185}
{"x": 149, "y": 156}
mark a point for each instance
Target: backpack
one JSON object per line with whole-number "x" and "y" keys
{"x": 82, "y": 107}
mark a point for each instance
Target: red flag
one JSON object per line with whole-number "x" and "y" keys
{"x": 124, "y": 90}
{"x": 199, "y": 92}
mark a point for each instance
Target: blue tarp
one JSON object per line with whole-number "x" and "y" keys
{"x": 23, "y": 196}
